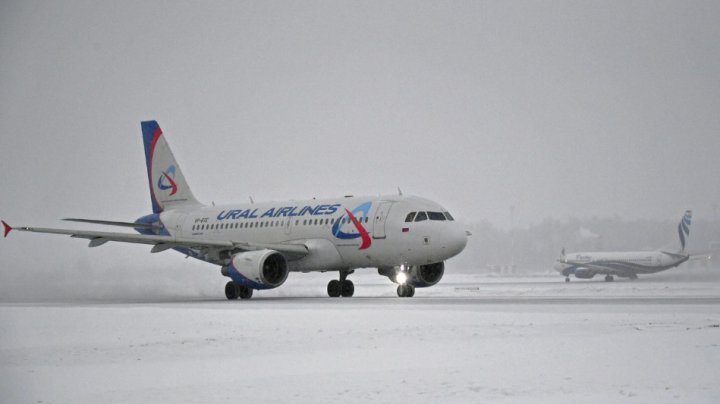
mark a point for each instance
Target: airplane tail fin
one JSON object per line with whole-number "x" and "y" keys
{"x": 684, "y": 229}
{"x": 168, "y": 188}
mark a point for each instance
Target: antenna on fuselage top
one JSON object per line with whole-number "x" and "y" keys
{"x": 252, "y": 202}
{"x": 399, "y": 191}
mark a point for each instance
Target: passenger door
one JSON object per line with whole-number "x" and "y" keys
{"x": 380, "y": 218}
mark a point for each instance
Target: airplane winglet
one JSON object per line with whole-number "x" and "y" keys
{"x": 7, "y": 228}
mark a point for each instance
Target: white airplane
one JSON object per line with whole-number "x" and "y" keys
{"x": 585, "y": 265}
{"x": 406, "y": 238}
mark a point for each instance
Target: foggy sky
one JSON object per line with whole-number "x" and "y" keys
{"x": 559, "y": 109}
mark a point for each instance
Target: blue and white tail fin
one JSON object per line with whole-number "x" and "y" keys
{"x": 684, "y": 229}
{"x": 168, "y": 188}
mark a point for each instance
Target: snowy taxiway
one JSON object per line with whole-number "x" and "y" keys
{"x": 469, "y": 339}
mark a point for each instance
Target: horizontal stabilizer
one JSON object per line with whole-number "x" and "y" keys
{"x": 674, "y": 255}
{"x": 111, "y": 223}
{"x": 702, "y": 254}
{"x": 700, "y": 257}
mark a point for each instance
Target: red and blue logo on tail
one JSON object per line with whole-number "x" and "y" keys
{"x": 167, "y": 180}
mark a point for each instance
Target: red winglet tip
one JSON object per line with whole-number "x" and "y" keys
{"x": 7, "y": 228}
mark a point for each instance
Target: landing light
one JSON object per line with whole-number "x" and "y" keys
{"x": 401, "y": 278}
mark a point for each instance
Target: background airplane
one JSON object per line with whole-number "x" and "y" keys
{"x": 256, "y": 245}
{"x": 585, "y": 265}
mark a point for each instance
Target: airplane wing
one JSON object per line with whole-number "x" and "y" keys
{"x": 113, "y": 223}
{"x": 162, "y": 243}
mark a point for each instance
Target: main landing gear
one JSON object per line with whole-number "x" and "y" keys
{"x": 342, "y": 287}
{"x": 609, "y": 278}
{"x": 233, "y": 291}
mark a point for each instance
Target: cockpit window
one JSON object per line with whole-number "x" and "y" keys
{"x": 448, "y": 216}
{"x": 410, "y": 217}
{"x": 420, "y": 217}
{"x": 436, "y": 216}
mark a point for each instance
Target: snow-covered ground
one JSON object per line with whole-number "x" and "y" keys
{"x": 469, "y": 339}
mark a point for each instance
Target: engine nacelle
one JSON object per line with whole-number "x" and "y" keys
{"x": 262, "y": 269}
{"x": 420, "y": 276}
{"x": 584, "y": 273}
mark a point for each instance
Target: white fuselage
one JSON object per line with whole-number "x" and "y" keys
{"x": 378, "y": 236}
{"x": 619, "y": 263}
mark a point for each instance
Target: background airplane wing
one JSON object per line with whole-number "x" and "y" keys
{"x": 162, "y": 243}
{"x": 697, "y": 255}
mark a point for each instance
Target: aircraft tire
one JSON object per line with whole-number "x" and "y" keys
{"x": 231, "y": 290}
{"x": 609, "y": 278}
{"x": 334, "y": 288}
{"x": 567, "y": 279}
{"x": 406, "y": 290}
{"x": 245, "y": 292}
{"x": 347, "y": 288}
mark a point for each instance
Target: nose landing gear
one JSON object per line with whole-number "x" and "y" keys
{"x": 406, "y": 290}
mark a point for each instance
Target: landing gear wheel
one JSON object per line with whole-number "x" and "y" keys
{"x": 609, "y": 278}
{"x": 347, "y": 289}
{"x": 567, "y": 279}
{"x": 334, "y": 288}
{"x": 245, "y": 292}
{"x": 231, "y": 290}
{"x": 406, "y": 290}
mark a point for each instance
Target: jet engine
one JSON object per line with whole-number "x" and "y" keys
{"x": 420, "y": 276}
{"x": 262, "y": 269}
{"x": 584, "y": 273}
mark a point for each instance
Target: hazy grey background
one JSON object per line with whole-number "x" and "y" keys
{"x": 560, "y": 109}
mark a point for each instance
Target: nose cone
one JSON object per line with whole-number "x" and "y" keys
{"x": 457, "y": 240}
{"x": 560, "y": 266}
